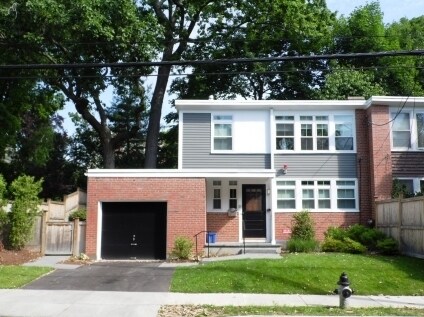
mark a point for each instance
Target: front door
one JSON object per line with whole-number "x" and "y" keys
{"x": 254, "y": 210}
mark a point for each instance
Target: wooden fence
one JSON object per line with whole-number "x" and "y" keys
{"x": 53, "y": 233}
{"x": 403, "y": 220}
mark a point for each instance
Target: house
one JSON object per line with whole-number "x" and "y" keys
{"x": 245, "y": 167}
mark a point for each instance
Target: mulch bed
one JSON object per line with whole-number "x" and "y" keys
{"x": 10, "y": 257}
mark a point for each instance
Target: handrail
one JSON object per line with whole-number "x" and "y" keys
{"x": 195, "y": 236}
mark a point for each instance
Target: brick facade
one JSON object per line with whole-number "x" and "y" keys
{"x": 322, "y": 220}
{"x": 185, "y": 197}
{"x": 226, "y": 227}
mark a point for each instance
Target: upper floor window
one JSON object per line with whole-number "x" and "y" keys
{"x": 401, "y": 130}
{"x": 344, "y": 132}
{"x": 285, "y": 132}
{"x": 222, "y": 132}
{"x": 420, "y": 130}
{"x": 315, "y": 132}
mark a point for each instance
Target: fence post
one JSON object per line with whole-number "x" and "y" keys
{"x": 400, "y": 212}
{"x": 75, "y": 237}
{"x": 43, "y": 232}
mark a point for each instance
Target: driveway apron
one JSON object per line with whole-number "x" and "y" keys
{"x": 109, "y": 276}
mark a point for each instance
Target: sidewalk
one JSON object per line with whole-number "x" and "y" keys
{"x": 35, "y": 303}
{"x": 63, "y": 303}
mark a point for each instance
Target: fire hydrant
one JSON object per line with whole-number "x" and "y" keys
{"x": 344, "y": 290}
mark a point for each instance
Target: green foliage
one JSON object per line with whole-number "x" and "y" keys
{"x": 300, "y": 245}
{"x": 183, "y": 247}
{"x": 357, "y": 239}
{"x": 25, "y": 192}
{"x": 400, "y": 190}
{"x": 81, "y": 214}
{"x": 2, "y": 192}
{"x": 388, "y": 246}
{"x": 303, "y": 226}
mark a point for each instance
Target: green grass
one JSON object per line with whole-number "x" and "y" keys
{"x": 16, "y": 276}
{"x": 305, "y": 274}
{"x": 217, "y": 311}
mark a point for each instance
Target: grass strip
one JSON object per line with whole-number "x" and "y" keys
{"x": 218, "y": 311}
{"x": 303, "y": 273}
{"x": 13, "y": 276}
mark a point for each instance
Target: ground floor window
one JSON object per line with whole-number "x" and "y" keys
{"x": 322, "y": 194}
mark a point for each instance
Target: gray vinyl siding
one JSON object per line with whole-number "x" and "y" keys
{"x": 318, "y": 165}
{"x": 197, "y": 147}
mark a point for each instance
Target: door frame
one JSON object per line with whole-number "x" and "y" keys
{"x": 263, "y": 213}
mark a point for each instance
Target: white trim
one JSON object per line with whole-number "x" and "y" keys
{"x": 99, "y": 230}
{"x": 180, "y": 140}
{"x": 186, "y": 173}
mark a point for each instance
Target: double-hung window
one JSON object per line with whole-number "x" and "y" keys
{"x": 308, "y": 200}
{"x": 233, "y": 195}
{"x": 285, "y": 132}
{"x": 286, "y": 194}
{"x": 346, "y": 194}
{"x": 344, "y": 132}
{"x": 324, "y": 198}
{"x": 216, "y": 194}
{"x": 307, "y": 133}
{"x": 420, "y": 130}
{"x": 222, "y": 132}
{"x": 401, "y": 130}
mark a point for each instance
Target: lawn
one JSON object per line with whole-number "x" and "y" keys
{"x": 305, "y": 274}
{"x": 13, "y": 276}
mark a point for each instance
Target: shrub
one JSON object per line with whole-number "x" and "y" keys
{"x": 300, "y": 245}
{"x": 336, "y": 233}
{"x": 182, "y": 248}
{"x": 346, "y": 245}
{"x": 79, "y": 213}
{"x": 2, "y": 192}
{"x": 25, "y": 191}
{"x": 303, "y": 226}
{"x": 388, "y": 246}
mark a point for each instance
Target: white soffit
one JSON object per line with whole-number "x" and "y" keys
{"x": 174, "y": 173}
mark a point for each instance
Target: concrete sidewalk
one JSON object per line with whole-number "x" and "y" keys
{"x": 91, "y": 303}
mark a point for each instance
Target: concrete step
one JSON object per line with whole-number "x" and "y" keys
{"x": 220, "y": 249}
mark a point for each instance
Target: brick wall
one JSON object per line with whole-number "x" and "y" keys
{"x": 380, "y": 150}
{"x": 363, "y": 166}
{"x": 322, "y": 220}
{"x": 227, "y": 228}
{"x": 186, "y": 208}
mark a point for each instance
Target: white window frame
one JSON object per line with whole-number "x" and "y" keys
{"x": 232, "y": 185}
{"x": 316, "y": 185}
{"x": 416, "y": 181}
{"x": 279, "y": 138}
{"x": 287, "y": 185}
{"x": 216, "y": 186}
{"x": 225, "y": 119}
{"x": 412, "y": 127}
{"x": 346, "y": 187}
{"x": 316, "y": 120}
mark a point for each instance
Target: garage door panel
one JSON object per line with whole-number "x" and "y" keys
{"x": 134, "y": 230}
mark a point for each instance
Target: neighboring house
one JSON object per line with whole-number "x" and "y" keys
{"x": 251, "y": 165}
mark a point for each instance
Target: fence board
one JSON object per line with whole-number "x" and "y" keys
{"x": 403, "y": 220}
{"x": 59, "y": 238}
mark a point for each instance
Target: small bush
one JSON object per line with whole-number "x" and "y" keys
{"x": 331, "y": 244}
{"x": 303, "y": 226}
{"x": 346, "y": 245}
{"x": 300, "y": 245}
{"x": 336, "y": 233}
{"x": 80, "y": 213}
{"x": 387, "y": 246}
{"x": 182, "y": 248}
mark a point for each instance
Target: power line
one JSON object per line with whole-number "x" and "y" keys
{"x": 223, "y": 73}
{"x": 217, "y": 61}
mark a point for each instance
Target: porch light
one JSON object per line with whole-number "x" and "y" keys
{"x": 268, "y": 191}
{"x": 284, "y": 169}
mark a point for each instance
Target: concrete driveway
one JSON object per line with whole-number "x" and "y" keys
{"x": 109, "y": 276}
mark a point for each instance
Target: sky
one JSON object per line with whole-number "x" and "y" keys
{"x": 393, "y": 10}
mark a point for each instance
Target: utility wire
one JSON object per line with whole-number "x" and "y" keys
{"x": 217, "y": 61}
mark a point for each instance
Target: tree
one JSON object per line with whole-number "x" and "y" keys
{"x": 364, "y": 31}
{"x": 263, "y": 29}
{"x": 83, "y": 31}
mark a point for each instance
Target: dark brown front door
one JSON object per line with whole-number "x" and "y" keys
{"x": 254, "y": 222}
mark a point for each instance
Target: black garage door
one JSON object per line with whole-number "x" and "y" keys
{"x": 134, "y": 230}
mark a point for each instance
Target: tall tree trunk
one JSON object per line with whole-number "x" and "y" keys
{"x": 108, "y": 154}
{"x": 153, "y": 129}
